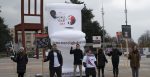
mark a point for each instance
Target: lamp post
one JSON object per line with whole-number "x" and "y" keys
{"x": 126, "y": 33}
{"x": 126, "y": 21}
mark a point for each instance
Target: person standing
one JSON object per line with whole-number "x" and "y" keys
{"x": 89, "y": 62}
{"x": 21, "y": 59}
{"x": 78, "y": 56}
{"x": 55, "y": 61}
{"x": 101, "y": 60}
{"x": 134, "y": 57}
{"x": 115, "y": 54}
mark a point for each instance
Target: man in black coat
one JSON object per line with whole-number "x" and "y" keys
{"x": 21, "y": 59}
{"x": 55, "y": 61}
{"x": 78, "y": 56}
{"x": 115, "y": 53}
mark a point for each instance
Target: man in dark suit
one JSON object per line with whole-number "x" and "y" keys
{"x": 78, "y": 56}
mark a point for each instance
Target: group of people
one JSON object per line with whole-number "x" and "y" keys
{"x": 93, "y": 63}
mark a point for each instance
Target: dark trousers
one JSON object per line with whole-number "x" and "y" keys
{"x": 102, "y": 71}
{"x": 20, "y": 74}
{"x": 115, "y": 69}
{"x": 135, "y": 72}
{"x": 90, "y": 71}
{"x": 57, "y": 70}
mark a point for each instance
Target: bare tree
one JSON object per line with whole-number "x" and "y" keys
{"x": 144, "y": 40}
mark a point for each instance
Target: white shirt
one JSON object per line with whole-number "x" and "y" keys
{"x": 89, "y": 60}
{"x": 56, "y": 62}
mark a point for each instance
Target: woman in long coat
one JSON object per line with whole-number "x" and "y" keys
{"x": 21, "y": 59}
{"x": 101, "y": 58}
{"x": 134, "y": 57}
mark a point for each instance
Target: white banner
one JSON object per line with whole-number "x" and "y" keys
{"x": 96, "y": 41}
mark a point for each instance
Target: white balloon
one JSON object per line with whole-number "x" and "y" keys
{"x": 64, "y": 24}
{"x": 64, "y": 28}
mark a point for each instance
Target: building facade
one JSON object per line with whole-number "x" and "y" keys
{"x": 29, "y": 38}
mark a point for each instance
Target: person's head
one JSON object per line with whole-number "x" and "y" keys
{"x": 134, "y": 49}
{"x": 54, "y": 47}
{"x": 77, "y": 46}
{"x": 89, "y": 51}
{"x": 100, "y": 50}
{"x": 21, "y": 50}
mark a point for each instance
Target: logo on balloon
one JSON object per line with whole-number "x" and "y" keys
{"x": 62, "y": 18}
{"x": 71, "y": 20}
{"x": 53, "y": 13}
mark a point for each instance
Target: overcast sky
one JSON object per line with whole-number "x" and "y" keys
{"x": 138, "y": 14}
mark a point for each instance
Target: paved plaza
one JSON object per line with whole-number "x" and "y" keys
{"x": 8, "y": 68}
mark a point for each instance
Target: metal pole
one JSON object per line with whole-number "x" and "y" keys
{"x": 0, "y": 9}
{"x": 126, "y": 25}
{"x": 126, "y": 21}
{"x": 103, "y": 25}
{"x": 127, "y": 50}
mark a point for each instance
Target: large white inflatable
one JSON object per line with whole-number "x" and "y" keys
{"x": 64, "y": 28}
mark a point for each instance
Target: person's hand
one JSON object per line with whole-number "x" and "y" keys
{"x": 84, "y": 64}
{"x": 71, "y": 48}
{"x": 96, "y": 70}
{"x": 11, "y": 57}
{"x": 106, "y": 61}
